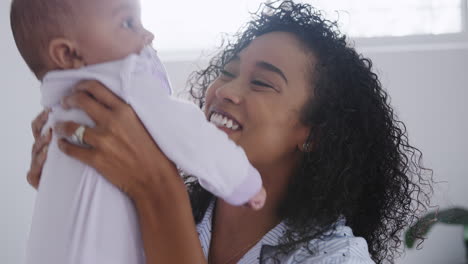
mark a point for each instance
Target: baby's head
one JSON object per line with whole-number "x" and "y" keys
{"x": 69, "y": 34}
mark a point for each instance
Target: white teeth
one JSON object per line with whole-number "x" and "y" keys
{"x": 220, "y": 120}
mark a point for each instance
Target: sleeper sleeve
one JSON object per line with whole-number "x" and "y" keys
{"x": 196, "y": 146}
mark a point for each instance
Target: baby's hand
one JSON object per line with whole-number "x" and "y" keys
{"x": 258, "y": 201}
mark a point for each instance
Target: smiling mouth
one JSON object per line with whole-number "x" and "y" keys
{"x": 224, "y": 121}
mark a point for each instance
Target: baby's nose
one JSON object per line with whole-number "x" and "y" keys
{"x": 148, "y": 37}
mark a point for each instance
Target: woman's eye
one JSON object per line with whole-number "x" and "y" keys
{"x": 128, "y": 23}
{"x": 227, "y": 74}
{"x": 260, "y": 83}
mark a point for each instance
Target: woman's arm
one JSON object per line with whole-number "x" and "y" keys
{"x": 171, "y": 238}
{"x": 122, "y": 151}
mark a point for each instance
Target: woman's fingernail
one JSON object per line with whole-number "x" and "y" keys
{"x": 58, "y": 128}
{"x": 60, "y": 144}
{"x": 63, "y": 102}
{"x": 78, "y": 87}
{"x": 45, "y": 149}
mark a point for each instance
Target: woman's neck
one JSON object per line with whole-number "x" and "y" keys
{"x": 236, "y": 229}
{"x": 240, "y": 219}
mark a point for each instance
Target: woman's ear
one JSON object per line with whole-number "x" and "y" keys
{"x": 305, "y": 147}
{"x": 64, "y": 54}
{"x": 303, "y": 144}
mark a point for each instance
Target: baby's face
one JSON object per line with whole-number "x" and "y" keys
{"x": 109, "y": 30}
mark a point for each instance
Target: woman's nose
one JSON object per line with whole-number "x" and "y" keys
{"x": 230, "y": 92}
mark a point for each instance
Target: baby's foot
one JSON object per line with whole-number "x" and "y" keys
{"x": 258, "y": 201}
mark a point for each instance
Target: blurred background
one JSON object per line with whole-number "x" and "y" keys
{"x": 419, "y": 49}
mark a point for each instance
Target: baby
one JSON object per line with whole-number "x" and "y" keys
{"x": 79, "y": 217}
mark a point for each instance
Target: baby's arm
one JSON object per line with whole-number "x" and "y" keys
{"x": 195, "y": 145}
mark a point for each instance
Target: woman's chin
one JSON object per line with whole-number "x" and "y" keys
{"x": 232, "y": 134}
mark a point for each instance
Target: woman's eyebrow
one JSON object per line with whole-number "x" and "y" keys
{"x": 270, "y": 67}
{"x": 235, "y": 58}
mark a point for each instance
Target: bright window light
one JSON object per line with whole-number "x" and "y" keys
{"x": 384, "y": 18}
{"x": 195, "y": 25}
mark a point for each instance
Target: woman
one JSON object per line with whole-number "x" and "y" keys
{"x": 314, "y": 121}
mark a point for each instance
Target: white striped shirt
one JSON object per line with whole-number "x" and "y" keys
{"x": 340, "y": 247}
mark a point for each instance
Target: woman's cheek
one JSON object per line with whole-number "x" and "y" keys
{"x": 256, "y": 146}
{"x": 209, "y": 95}
{"x": 274, "y": 144}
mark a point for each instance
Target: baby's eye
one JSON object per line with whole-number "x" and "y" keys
{"x": 128, "y": 23}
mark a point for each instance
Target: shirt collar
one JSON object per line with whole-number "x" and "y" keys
{"x": 340, "y": 243}
{"x": 271, "y": 238}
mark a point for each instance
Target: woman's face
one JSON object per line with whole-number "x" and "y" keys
{"x": 258, "y": 98}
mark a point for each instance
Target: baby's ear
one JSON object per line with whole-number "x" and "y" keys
{"x": 64, "y": 54}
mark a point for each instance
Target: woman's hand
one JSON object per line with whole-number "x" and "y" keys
{"x": 120, "y": 147}
{"x": 39, "y": 149}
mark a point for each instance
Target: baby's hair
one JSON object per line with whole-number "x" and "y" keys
{"x": 34, "y": 24}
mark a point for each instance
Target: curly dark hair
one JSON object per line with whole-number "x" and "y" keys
{"x": 361, "y": 165}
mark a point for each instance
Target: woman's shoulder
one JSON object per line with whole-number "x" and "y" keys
{"x": 339, "y": 246}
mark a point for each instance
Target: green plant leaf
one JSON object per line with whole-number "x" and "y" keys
{"x": 466, "y": 233}
{"x": 465, "y": 229}
{"x": 451, "y": 216}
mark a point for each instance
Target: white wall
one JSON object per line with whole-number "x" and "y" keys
{"x": 20, "y": 104}
{"x": 428, "y": 88}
